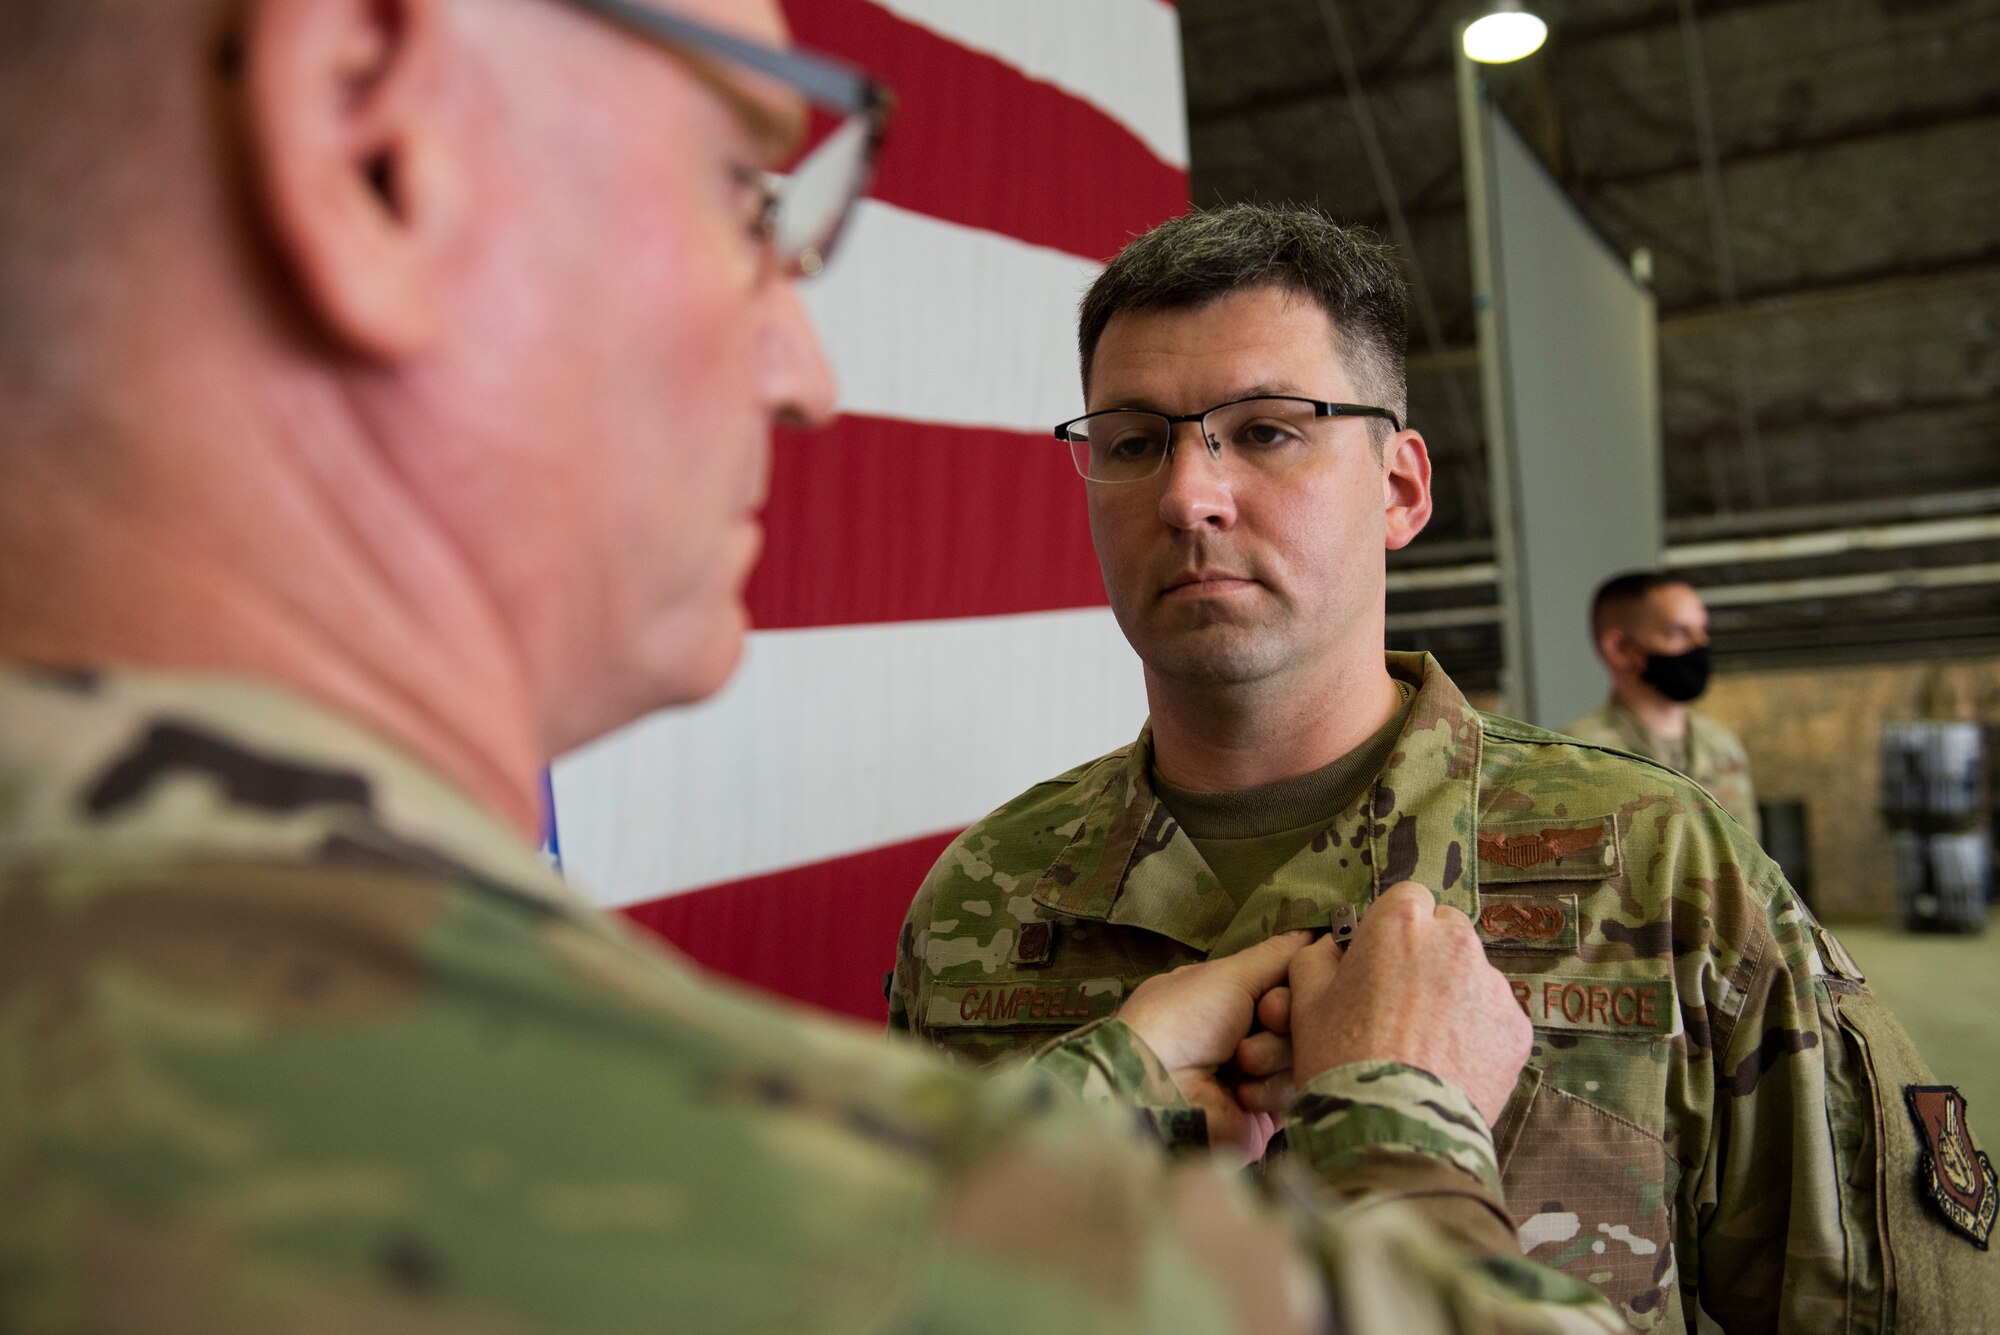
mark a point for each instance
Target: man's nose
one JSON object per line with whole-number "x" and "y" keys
{"x": 1198, "y": 491}
{"x": 795, "y": 382}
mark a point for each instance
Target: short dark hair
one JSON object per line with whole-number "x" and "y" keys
{"x": 1191, "y": 260}
{"x": 1621, "y": 593}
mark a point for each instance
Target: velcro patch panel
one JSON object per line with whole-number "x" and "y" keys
{"x": 1013, "y": 1005}
{"x": 1633, "y": 1008}
{"x": 1529, "y": 922}
{"x": 1548, "y": 850}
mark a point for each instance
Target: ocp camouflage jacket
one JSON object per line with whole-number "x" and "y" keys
{"x": 294, "y": 1037}
{"x": 1715, "y": 1111}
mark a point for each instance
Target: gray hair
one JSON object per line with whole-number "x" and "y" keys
{"x": 1191, "y": 260}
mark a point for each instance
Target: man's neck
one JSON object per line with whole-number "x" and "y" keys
{"x": 394, "y": 641}
{"x": 1232, "y": 738}
{"x": 1664, "y": 718}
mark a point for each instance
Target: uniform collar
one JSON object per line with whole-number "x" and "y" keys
{"x": 1128, "y": 861}
{"x": 152, "y": 766}
{"x": 1642, "y": 740}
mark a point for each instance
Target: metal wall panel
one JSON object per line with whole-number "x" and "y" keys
{"x": 1570, "y": 372}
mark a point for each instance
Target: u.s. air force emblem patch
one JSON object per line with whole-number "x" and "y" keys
{"x": 1958, "y": 1177}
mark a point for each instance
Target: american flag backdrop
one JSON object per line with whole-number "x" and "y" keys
{"x": 932, "y": 636}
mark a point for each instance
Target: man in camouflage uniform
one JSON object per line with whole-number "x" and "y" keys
{"x": 1651, "y": 630}
{"x": 1717, "y": 1119}
{"x": 386, "y": 396}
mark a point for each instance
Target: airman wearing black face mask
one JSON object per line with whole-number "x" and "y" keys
{"x": 1651, "y": 630}
{"x": 1680, "y": 677}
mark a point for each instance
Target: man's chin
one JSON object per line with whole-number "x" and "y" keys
{"x": 1215, "y": 654}
{"x": 707, "y": 664}
{"x": 703, "y": 649}
{"x": 1206, "y": 620}
{"x": 680, "y": 664}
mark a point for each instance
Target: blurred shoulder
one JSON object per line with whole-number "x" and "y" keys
{"x": 1600, "y": 725}
{"x": 1716, "y": 738}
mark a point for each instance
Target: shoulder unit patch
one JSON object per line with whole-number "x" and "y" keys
{"x": 1958, "y": 1176}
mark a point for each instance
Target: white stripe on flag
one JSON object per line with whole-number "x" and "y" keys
{"x": 835, "y": 740}
{"x": 930, "y": 321}
{"x": 1121, "y": 56}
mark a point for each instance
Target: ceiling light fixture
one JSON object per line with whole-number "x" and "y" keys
{"x": 1508, "y": 32}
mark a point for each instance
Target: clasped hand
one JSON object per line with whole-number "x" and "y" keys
{"x": 1241, "y": 1033}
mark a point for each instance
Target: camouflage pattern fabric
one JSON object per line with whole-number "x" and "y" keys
{"x": 293, "y": 1038}
{"x": 1712, "y": 1114}
{"x": 1713, "y": 755}
{"x": 1376, "y": 1106}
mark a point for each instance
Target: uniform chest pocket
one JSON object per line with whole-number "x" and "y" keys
{"x": 1591, "y": 1194}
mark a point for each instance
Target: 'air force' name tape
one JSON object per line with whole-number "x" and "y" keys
{"x": 1596, "y": 1005}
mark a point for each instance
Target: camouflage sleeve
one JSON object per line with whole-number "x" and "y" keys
{"x": 1106, "y": 1063}
{"x": 306, "y": 1099}
{"x": 1381, "y": 1131}
{"x": 1774, "y": 1250}
{"x": 1933, "y": 1191}
{"x": 1180, "y": 1245}
{"x": 1374, "y": 1131}
{"x": 1386, "y": 1268}
{"x": 1812, "y": 1211}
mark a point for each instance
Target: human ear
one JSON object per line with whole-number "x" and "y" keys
{"x": 1618, "y": 649}
{"x": 355, "y": 178}
{"x": 1406, "y": 488}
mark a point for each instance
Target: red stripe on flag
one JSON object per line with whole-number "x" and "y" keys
{"x": 875, "y": 519}
{"x": 975, "y": 141}
{"x": 823, "y": 934}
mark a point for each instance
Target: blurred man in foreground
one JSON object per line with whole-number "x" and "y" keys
{"x": 385, "y": 388}
{"x": 1651, "y": 630}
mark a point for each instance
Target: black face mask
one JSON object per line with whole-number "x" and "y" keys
{"x": 1679, "y": 677}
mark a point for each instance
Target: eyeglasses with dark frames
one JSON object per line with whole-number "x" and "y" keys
{"x": 1270, "y": 434}
{"x": 805, "y": 211}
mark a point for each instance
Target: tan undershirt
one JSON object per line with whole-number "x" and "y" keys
{"x": 1246, "y": 836}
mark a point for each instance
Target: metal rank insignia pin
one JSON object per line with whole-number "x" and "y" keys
{"x": 1958, "y": 1177}
{"x": 1035, "y": 943}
